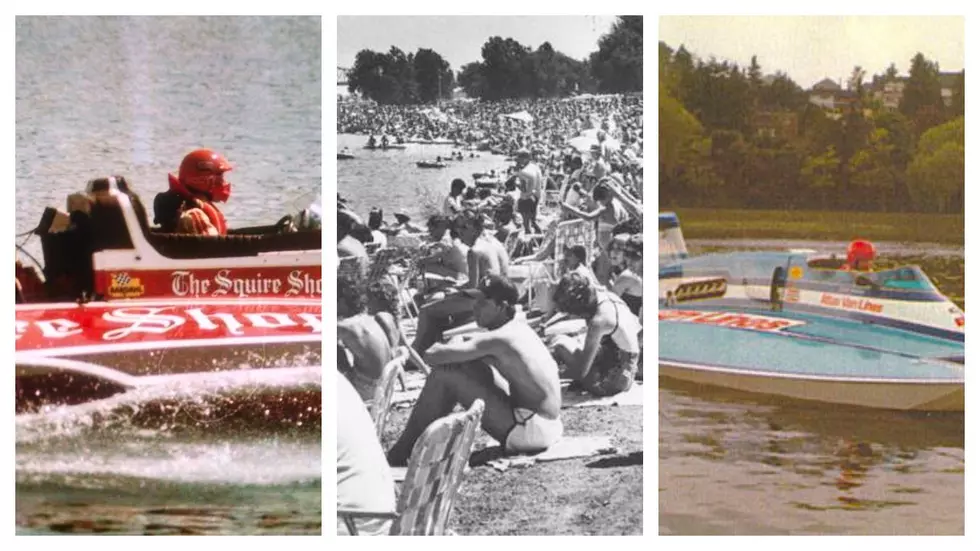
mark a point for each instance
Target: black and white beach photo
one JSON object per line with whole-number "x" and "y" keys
{"x": 490, "y": 191}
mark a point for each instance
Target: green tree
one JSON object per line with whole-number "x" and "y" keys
{"x": 936, "y": 175}
{"x": 922, "y": 100}
{"x": 958, "y": 107}
{"x": 818, "y": 176}
{"x": 618, "y": 63}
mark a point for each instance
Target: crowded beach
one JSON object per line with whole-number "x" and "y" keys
{"x": 486, "y": 335}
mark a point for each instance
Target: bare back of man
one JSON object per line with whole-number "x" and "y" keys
{"x": 523, "y": 418}
{"x": 369, "y": 343}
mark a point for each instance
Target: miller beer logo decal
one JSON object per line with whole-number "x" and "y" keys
{"x": 124, "y": 286}
{"x": 226, "y": 284}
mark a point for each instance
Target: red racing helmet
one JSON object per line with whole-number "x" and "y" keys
{"x": 858, "y": 250}
{"x": 202, "y": 170}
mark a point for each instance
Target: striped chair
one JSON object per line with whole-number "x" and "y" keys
{"x": 380, "y": 405}
{"x": 435, "y": 473}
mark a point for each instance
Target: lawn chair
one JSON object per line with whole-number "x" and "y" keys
{"x": 435, "y": 472}
{"x": 381, "y": 402}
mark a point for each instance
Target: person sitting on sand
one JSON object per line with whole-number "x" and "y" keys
{"x": 607, "y": 361}
{"x": 486, "y": 256}
{"x": 364, "y": 480}
{"x": 627, "y": 251}
{"x": 361, "y": 334}
{"x": 525, "y": 419}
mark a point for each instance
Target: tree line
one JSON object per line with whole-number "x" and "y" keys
{"x": 733, "y": 138}
{"x": 508, "y": 70}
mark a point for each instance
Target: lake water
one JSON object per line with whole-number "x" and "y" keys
{"x": 732, "y": 463}
{"x": 390, "y": 180}
{"x": 100, "y": 96}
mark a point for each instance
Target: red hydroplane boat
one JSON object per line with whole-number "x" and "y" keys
{"x": 119, "y": 305}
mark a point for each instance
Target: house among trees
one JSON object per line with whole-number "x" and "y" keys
{"x": 829, "y": 95}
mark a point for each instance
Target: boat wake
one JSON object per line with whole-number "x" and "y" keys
{"x": 249, "y": 400}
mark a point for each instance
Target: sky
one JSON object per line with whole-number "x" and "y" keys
{"x": 810, "y": 49}
{"x": 459, "y": 39}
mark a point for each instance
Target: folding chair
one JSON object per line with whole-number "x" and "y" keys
{"x": 381, "y": 401}
{"x": 435, "y": 473}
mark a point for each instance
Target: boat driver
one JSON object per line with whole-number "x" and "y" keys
{"x": 189, "y": 205}
{"x": 860, "y": 256}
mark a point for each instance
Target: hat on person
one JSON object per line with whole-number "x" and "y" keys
{"x": 402, "y": 214}
{"x": 495, "y": 288}
{"x": 523, "y": 153}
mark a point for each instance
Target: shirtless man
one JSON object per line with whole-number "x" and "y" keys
{"x": 362, "y": 335}
{"x": 486, "y": 256}
{"x": 607, "y": 362}
{"x": 525, "y": 420}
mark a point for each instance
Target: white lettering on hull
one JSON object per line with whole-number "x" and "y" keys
{"x": 225, "y": 284}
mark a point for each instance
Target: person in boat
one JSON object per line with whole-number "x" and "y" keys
{"x": 375, "y": 220}
{"x": 364, "y": 479}
{"x": 444, "y": 265}
{"x": 531, "y": 184}
{"x": 384, "y": 141}
{"x": 361, "y": 335}
{"x": 453, "y": 204}
{"x": 486, "y": 256}
{"x": 860, "y": 256}
{"x": 607, "y": 361}
{"x": 627, "y": 251}
{"x": 190, "y": 203}
{"x": 526, "y": 417}
{"x": 372, "y": 142}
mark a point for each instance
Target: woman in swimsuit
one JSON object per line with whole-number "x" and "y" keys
{"x": 607, "y": 215}
{"x": 607, "y": 362}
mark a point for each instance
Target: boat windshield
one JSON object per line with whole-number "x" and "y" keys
{"x": 672, "y": 246}
{"x": 904, "y": 278}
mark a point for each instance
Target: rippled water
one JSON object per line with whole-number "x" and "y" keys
{"x": 390, "y": 180}
{"x": 130, "y": 96}
{"x": 100, "y": 96}
{"x": 734, "y": 463}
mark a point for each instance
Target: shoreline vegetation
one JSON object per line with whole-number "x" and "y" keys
{"x": 736, "y": 137}
{"x": 907, "y": 227}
